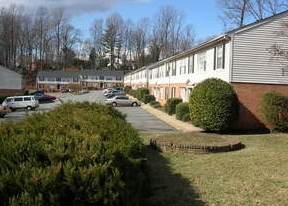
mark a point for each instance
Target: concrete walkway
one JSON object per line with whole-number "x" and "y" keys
{"x": 171, "y": 120}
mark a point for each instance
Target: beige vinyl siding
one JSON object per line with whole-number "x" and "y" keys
{"x": 251, "y": 60}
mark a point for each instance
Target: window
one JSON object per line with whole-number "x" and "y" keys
{"x": 219, "y": 57}
{"x": 166, "y": 93}
{"x": 201, "y": 61}
{"x": 18, "y": 99}
{"x": 75, "y": 79}
{"x": 27, "y": 98}
{"x": 173, "y": 69}
{"x": 191, "y": 64}
{"x": 173, "y": 92}
{"x": 183, "y": 70}
{"x": 118, "y": 78}
{"x": 167, "y": 71}
{"x": 101, "y": 77}
{"x": 41, "y": 78}
{"x": 58, "y": 79}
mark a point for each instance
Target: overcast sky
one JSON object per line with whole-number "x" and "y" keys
{"x": 78, "y": 7}
{"x": 201, "y": 14}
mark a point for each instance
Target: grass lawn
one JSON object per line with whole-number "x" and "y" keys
{"x": 255, "y": 175}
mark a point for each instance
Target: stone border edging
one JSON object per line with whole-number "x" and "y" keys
{"x": 169, "y": 146}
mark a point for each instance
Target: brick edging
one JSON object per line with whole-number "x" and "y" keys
{"x": 170, "y": 146}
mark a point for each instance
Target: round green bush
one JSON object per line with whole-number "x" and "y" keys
{"x": 170, "y": 106}
{"x": 213, "y": 105}
{"x": 182, "y": 109}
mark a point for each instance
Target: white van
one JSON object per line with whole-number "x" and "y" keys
{"x": 21, "y": 102}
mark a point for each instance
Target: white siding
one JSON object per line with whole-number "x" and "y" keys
{"x": 252, "y": 62}
{"x": 10, "y": 79}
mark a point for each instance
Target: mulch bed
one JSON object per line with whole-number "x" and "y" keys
{"x": 196, "y": 144}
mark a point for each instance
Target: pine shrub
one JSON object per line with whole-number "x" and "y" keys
{"x": 170, "y": 106}
{"x": 148, "y": 98}
{"x": 182, "y": 111}
{"x": 274, "y": 108}
{"x": 76, "y": 154}
{"x": 141, "y": 92}
{"x": 213, "y": 105}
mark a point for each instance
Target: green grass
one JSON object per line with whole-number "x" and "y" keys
{"x": 255, "y": 175}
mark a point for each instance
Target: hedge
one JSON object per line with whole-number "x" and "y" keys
{"x": 77, "y": 154}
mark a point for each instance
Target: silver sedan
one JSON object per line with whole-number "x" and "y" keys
{"x": 121, "y": 100}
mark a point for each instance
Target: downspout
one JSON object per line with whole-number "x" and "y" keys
{"x": 231, "y": 58}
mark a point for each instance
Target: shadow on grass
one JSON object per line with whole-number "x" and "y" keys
{"x": 166, "y": 187}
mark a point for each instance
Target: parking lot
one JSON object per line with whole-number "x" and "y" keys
{"x": 140, "y": 119}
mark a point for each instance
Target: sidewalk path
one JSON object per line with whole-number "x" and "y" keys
{"x": 171, "y": 120}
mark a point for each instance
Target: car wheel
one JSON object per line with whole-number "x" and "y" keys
{"x": 114, "y": 104}
{"x": 134, "y": 104}
{"x": 29, "y": 108}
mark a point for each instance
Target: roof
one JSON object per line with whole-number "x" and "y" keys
{"x": 221, "y": 38}
{"x": 9, "y": 71}
{"x": 76, "y": 74}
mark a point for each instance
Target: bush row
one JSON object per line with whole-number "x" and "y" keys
{"x": 77, "y": 154}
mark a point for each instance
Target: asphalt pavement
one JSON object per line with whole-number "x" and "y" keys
{"x": 145, "y": 118}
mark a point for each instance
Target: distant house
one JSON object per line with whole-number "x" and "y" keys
{"x": 11, "y": 82}
{"x": 57, "y": 80}
{"x": 241, "y": 57}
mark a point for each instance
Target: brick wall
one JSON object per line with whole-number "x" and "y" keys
{"x": 10, "y": 92}
{"x": 250, "y": 96}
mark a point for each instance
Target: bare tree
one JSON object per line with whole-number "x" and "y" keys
{"x": 59, "y": 21}
{"x": 167, "y": 31}
{"x": 69, "y": 38}
{"x": 43, "y": 34}
{"x": 237, "y": 13}
{"x": 96, "y": 32}
{"x": 140, "y": 37}
{"x": 10, "y": 26}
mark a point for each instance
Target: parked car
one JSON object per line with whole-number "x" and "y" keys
{"x": 105, "y": 91}
{"x": 4, "y": 110}
{"x": 84, "y": 91}
{"x": 66, "y": 90}
{"x": 46, "y": 98}
{"x": 21, "y": 102}
{"x": 121, "y": 100}
{"x": 114, "y": 93}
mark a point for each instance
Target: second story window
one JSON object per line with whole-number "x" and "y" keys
{"x": 191, "y": 64}
{"x": 173, "y": 69}
{"x": 201, "y": 61}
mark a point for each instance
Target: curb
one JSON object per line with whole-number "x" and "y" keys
{"x": 171, "y": 120}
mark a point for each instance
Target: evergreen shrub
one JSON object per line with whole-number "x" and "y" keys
{"x": 141, "y": 92}
{"x": 170, "y": 106}
{"x": 274, "y": 108}
{"x": 155, "y": 104}
{"x": 213, "y": 105}
{"x": 77, "y": 154}
{"x": 182, "y": 111}
{"x": 148, "y": 98}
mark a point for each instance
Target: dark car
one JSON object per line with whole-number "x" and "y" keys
{"x": 46, "y": 98}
